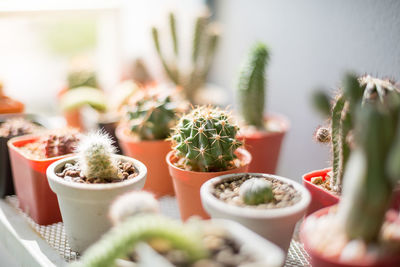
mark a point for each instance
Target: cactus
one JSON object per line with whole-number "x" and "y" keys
{"x": 355, "y": 92}
{"x": 60, "y": 143}
{"x": 256, "y": 191}
{"x": 95, "y": 153}
{"x": 82, "y": 78}
{"x": 252, "y": 86}
{"x": 205, "y": 40}
{"x": 153, "y": 114}
{"x": 119, "y": 241}
{"x": 205, "y": 140}
{"x": 371, "y": 174}
{"x": 131, "y": 204}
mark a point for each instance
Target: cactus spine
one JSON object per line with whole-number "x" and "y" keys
{"x": 205, "y": 140}
{"x": 256, "y": 191}
{"x": 355, "y": 92}
{"x": 205, "y": 40}
{"x": 96, "y": 160}
{"x": 252, "y": 86}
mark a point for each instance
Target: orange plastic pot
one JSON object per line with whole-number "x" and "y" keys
{"x": 187, "y": 184}
{"x": 31, "y": 185}
{"x": 73, "y": 118}
{"x": 152, "y": 154}
{"x": 265, "y": 147}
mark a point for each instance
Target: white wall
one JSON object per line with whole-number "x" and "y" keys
{"x": 313, "y": 42}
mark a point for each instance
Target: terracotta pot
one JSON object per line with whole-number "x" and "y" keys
{"x": 84, "y": 207}
{"x": 73, "y": 118}
{"x": 276, "y": 225}
{"x": 152, "y": 154}
{"x": 321, "y": 198}
{"x": 318, "y": 260}
{"x": 33, "y": 191}
{"x": 187, "y": 184}
{"x": 265, "y": 147}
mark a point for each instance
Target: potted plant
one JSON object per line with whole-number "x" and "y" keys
{"x": 262, "y": 134}
{"x": 12, "y": 126}
{"x": 326, "y": 185}
{"x": 148, "y": 121}
{"x": 30, "y": 156}
{"x": 193, "y": 79}
{"x": 86, "y": 184}
{"x": 143, "y": 237}
{"x": 204, "y": 145}
{"x": 9, "y": 105}
{"x": 266, "y": 204}
{"x": 361, "y": 231}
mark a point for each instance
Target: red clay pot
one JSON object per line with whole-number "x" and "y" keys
{"x": 31, "y": 185}
{"x": 152, "y": 154}
{"x": 318, "y": 260}
{"x": 265, "y": 147}
{"x": 187, "y": 184}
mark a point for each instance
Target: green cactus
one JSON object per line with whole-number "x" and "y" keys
{"x": 205, "y": 41}
{"x": 120, "y": 241}
{"x": 205, "y": 139}
{"x": 95, "y": 153}
{"x": 82, "y": 78}
{"x": 252, "y": 86}
{"x": 256, "y": 191}
{"x": 355, "y": 92}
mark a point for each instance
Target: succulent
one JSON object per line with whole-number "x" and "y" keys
{"x": 95, "y": 153}
{"x": 60, "y": 143}
{"x": 372, "y": 171}
{"x": 153, "y": 113}
{"x": 355, "y": 92}
{"x": 252, "y": 86}
{"x": 81, "y": 96}
{"x": 79, "y": 78}
{"x": 205, "y": 140}
{"x": 205, "y": 40}
{"x": 256, "y": 191}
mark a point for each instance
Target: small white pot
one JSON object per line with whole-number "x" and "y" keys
{"x": 276, "y": 225}
{"x": 84, "y": 207}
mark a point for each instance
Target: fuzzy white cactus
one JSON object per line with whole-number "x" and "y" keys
{"x": 256, "y": 191}
{"x": 95, "y": 152}
{"x": 131, "y": 204}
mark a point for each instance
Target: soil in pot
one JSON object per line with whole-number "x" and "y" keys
{"x": 284, "y": 195}
{"x": 11, "y": 127}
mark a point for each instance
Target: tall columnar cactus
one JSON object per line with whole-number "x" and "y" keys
{"x": 252, "y": 86}
{"x": 205, "y": 140}
{"x": 205, "y": 40}
{"x": 355, "y": 92}
{"x": 95, "y": 152}
{"x": 153, "y": 114}
{"x": 372, "y": 171}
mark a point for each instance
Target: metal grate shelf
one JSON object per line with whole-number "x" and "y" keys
{"x": 54, "y": 235}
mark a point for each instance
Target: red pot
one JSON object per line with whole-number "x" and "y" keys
{"x": 320, "y": 198}
{"x": 318, "y": 260}
{"x": 265, "y": 147}
{"x": 152, "y": 154}
{"x": 187, "y": 184}
{"x": 31, "y": 185}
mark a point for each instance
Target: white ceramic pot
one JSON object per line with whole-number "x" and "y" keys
{"x": 84, "y": 207}
{"x": 276, "y": 225}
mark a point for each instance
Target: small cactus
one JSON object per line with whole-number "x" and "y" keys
{"x": 60, "y": 143}
{"x": 131, "y": 204}
{"x": 153, "y": 113}
{"x": 205, "y": 140}
{"x": 252, "y": 86}
{"x": 205, "y": 40}
{"x": 256, "y": 191}
{"x": 95, "y": 153}
{"x": 323, "y": 135}
{"x": 82, "y": 78}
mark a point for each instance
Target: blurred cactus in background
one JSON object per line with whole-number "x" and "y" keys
{"x": 355, "y": 92}
{"x": 252, "y": 86}
{"x": 256, "y": 191}
{"x": 205, "y": 140}
{"x": 205, "y": 40}
{"x": 61, "y": 142}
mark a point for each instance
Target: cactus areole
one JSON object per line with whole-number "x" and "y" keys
{"x": 205, "y": 140}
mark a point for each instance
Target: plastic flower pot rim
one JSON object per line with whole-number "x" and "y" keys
{"x": 205, "y": 192}
{"x": 121, "y": 133}
{"x": 241, "y": 151}
{"x": 284, "y": 123}
{"x": 307, "y": 178}
{"x": 56, "y": 166}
